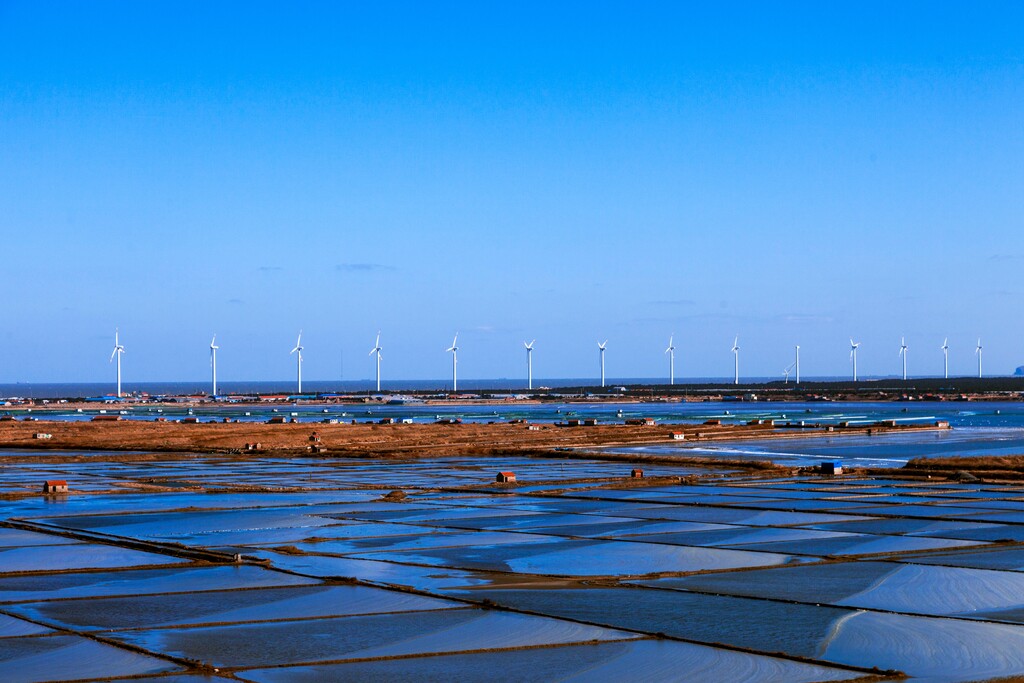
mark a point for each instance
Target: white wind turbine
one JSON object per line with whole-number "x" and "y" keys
{"x": 945, "y": 357}
{"x": 529, "y": 363}
{"x": 977, "y": 350}
{"x": 213, "y": 362}
{"x": 797, "y": 364}
{"x": 671, "y": 351}
{"x": 736, "y": 358}
{"x": 788, "y": 370}
{"x": 903, "y": 355}
{"x": 376, "y": 350}
{"x": 298, "y": 359}
{"x": 118, "y": 350}
{"x": 853, "y": 356}
{"x": 601, "y": 346}
{"x": 454, "y": 350}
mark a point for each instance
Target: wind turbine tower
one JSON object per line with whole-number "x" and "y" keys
{"x": 118, "y": 350}
{"x": 529, "y": 363}
{"x": 298, "y": 359}
{"x": 977, "y": 350}
{"x": 454, "y": 350}
{"x": 736, "y": 359}
{"x": 213, "y": 362}
{"x": 376, "y": 350}
{"x": 601, "y": 346}
{"x": 903, "y": 355}
{"x": 671, "y": 351}
{"x": 945, "y": 358}
{"x": 853, "y": 356}
{"x": 797, "y": 364}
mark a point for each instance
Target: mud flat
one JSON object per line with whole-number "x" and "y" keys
{"x": 390, "y": 440}
{"x": 999, "y": 468}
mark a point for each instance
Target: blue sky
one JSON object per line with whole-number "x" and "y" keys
{"x": 791, "y": 172}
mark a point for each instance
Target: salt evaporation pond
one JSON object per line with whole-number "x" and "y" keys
{"x": 360, "y": 637}
{"x": 77, "y": 556}
{"x": 585, "y": 558}
{"x": 597, "y": 583}
{"x": 643, "y": 660}
{"x": 225, "y": 606}
{"x": 139, "y": 582}
{"x": 890, "y": 586}
{"x": 60, "y": 657}
{"x": 12, "y": 626}
{"x": 739, "y": 622}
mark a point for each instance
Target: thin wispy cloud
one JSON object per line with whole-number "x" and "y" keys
{"x": 674, "y": 302}
{"x": 806, "y": 319}
{"x": 725, "y": 316}
{"x": 363, "y": 267}
{"x": 270, "y": 269}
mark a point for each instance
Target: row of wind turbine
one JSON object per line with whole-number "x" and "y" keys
{"x": 119, "y": 349}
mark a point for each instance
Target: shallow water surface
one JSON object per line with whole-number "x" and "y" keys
{"x": 226, "y": 606}
{"x": 586, "y": 558}
{"x": 77, "y": 556}
{"x": 647, "y": 660}
{"x": 70, "y": 657}
{"x": 365, "y": 636}
{"x": 141, "y": 581}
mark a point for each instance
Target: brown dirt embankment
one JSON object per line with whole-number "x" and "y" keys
{"x": 991, "y": 468}
{"x": 377, "y": 440}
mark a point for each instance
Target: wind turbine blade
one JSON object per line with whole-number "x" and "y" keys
{"x": 112, "y": 354}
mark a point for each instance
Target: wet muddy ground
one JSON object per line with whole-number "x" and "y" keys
{"x": 204, "y": 568}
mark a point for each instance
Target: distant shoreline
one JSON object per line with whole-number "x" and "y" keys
{"x": 546, "y": 390}
{"x": 958, "y": 389}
